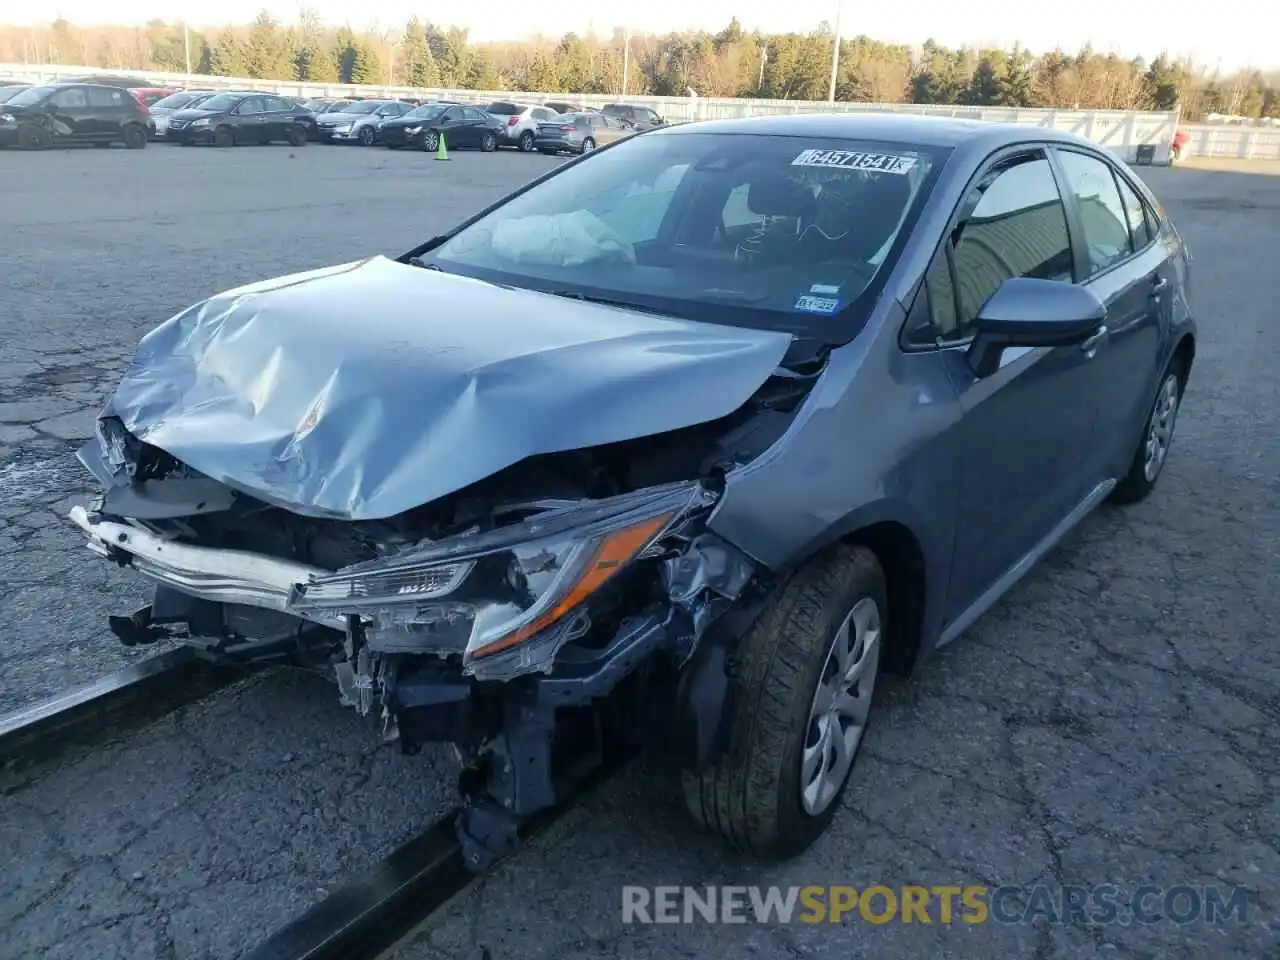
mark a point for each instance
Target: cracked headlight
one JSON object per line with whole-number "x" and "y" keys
{"x": 481, "y": 595}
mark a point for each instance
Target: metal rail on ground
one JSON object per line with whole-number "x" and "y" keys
{"x": 379, "y": 910}
{"x": 33, "y": 736}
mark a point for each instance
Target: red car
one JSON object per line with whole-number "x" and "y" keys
{"x": 149, "y": 95}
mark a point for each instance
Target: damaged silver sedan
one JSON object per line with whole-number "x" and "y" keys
{"x": 683, "y": 442}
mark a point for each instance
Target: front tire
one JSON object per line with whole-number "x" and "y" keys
{"x": 489, "y": 142}
{"x": 1157, "y": 436}
{"x": 224, "y": 137}
{"x": 430, "y": 141}
{"x": 803, "y": 683}
{"x": 365, "y": 136}
{"x": 297, "y": 136}
{"x": 33, "y": 138}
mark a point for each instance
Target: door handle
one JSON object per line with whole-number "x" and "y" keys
{"x": 1091, "y": 345}
{"x": 1159, "y": 286}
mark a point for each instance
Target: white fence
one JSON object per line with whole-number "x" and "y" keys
{"x": 1120, "y": 131}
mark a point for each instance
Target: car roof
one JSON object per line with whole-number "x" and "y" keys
{"x": 922, "y": 129}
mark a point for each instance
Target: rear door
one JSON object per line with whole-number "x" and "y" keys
{"x": 109, "y": 108}
{"x": 279, "y": 117}
{"x": 1024, "y": 428}
{"x": 1130, "y": 273}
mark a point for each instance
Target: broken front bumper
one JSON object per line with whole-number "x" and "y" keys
{"x": 220, "y": 576}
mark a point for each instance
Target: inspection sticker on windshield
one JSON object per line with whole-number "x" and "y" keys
{"x": 824, "y": 305}
{"x": 851, "y": 160}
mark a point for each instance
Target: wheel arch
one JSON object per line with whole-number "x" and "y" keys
{"x": 902, "y": 560}
{"x": 1184, "y": 355}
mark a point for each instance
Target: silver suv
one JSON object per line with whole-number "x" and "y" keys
{"x": 520, "y": 121}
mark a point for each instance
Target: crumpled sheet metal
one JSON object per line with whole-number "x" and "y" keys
{"x": 363, "y": 390}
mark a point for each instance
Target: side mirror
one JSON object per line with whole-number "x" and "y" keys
{"x": 1026, "y": 312}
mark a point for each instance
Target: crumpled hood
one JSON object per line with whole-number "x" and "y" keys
{"x": 363, "y": 390}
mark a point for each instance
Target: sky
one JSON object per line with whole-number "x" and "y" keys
{"x": 1226, "y": 33}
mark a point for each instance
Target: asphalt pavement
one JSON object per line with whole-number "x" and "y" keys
{"x": 1111, "y": 722}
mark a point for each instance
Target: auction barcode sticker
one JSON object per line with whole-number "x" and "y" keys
{"x": 851, "y": 160}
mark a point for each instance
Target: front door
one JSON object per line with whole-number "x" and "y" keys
{"x": 254, "y": 124}
{"x": 1024, "y": 429}
{"x": 71, "y": 116}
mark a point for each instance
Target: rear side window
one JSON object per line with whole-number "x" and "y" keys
{"x": 102, "y": 97}
{"x": 1018, "y": 228}
{"x": 1136, "y": 214}
{"x": 1102, "y": 214}
{"x": 504, "y": 109}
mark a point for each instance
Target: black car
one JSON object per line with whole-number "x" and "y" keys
{"x": 10, "y": 90}
{"x": 163, "y": 110}
{"x": 227, "y": 119}
{"x": 68, "y": 113}
{"x": 461, "y": 126}
{"x": 637, "y": 118}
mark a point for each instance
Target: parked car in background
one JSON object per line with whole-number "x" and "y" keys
{"x": 71, "y": 113}
{"x": 359, "y": 122}
{"x": 687, "y": 442}
{"x": 151, "y": 95}
{"x": 519, "y": 121}
{"x": 165, "y": 108}
{"x": 228, "y": 119}
{"x": 564, "y": 106}
{"x": 459, "y": 125}
{"x": 578, "y": 133}
{"x": 11, "y": 90}
{"x": 638, "y": 118}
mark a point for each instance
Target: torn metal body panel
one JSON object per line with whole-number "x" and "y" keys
{"x": 268, "y": 389}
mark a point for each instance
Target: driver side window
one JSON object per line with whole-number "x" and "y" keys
{"x": 1016, "y": 227}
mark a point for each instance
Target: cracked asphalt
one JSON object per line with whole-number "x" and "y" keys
{"x": 1112, "y": 721}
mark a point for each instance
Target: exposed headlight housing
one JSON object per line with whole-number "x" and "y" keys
{"x": 412, "y": 131}
{"x": 483, "y": 595}
{"x": 7, "y": 118}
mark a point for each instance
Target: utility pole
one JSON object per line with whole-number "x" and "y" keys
{"x": 626, "y": 58}
{"x": 186, "y": 45}
{"x": 835, "y": 56}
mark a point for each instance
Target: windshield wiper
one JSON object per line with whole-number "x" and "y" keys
{"x": 606, "y": 301}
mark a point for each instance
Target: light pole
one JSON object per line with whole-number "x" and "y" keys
{"x": 764, "y": 56}
{"x": 626, "y": 58}
{"x": 835, "y": 56}
{"x": 186, "y": 45}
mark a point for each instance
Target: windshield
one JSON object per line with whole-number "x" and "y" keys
{"x": 30, "y": 96}
{"x": 425, "y": 111}
{"x": 365, "y": 106}
{"x": 8, "y": 93}
{"x": 782, "y": 232}
{"x": 220, "y": 102}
